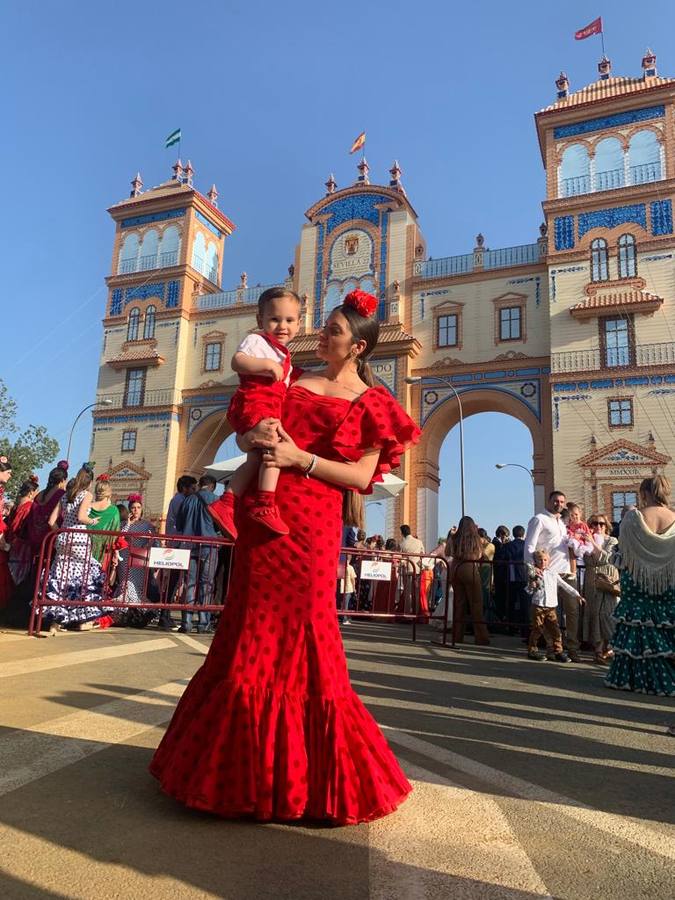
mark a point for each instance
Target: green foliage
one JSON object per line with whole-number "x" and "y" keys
{"x": 27, "y": 450}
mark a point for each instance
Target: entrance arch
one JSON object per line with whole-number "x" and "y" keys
{"x": 201, "y": 439}
{"x": 425, "y": 479}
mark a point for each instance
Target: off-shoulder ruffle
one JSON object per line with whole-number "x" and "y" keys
{"x": 376, "y": 421}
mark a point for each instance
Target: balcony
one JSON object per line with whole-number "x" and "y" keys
{"x": 205, "y": 268}
{"x": 571, "y": 361}
{"x": 138, "y": 398}
{"x": 521, "y": 255}
{"x": 147, "y": 263}
{"x": 608, "y": 179}
{"x": 237, "y": 297}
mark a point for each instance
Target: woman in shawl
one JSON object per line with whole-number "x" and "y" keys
{"x": 644, "y": 640}
{"x": 5, "y": 577}
{"x": 107, "y": 519}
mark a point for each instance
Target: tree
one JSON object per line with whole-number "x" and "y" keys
{"x": 27, "y": 450}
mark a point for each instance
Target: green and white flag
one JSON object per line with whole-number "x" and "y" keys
{"x": 173, "y": 138}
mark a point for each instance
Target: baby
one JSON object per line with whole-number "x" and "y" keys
{"x": 263, "y": 362}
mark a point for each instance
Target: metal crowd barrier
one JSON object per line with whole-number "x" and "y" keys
{"x": 388, "y": 585}
{"x": 154, "y": 572}
{"x": 163, "y": 572}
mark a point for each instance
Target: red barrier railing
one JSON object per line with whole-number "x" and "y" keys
{"x": 80, "y": 570}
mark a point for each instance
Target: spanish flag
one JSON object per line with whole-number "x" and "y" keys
{"x": 359, "y": 142}
{"x": 595, "y": 27}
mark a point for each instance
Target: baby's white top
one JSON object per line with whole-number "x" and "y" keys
{"x": 255, "y": 345}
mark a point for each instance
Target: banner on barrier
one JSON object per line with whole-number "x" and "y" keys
{"x": 169, "y": 558}
{"x": 375, "y": 570}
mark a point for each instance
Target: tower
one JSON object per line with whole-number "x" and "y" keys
{"x": 610, "y": 176}
{"x": 167, "y": 251}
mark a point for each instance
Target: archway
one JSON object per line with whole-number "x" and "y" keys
{"x": 204, "y": 432}
{"x": 425, "y": 480}
{"x": 493, "y": 496}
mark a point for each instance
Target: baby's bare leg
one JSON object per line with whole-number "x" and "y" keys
{"x": 245, "y": 473}
{"x": 268, "y": 478}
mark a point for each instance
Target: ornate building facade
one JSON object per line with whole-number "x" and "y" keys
{"x": 572, "y": 334}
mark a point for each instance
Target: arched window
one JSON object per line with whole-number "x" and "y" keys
{"x": 644, "y": 157}
{"x": 627, "y": 256}
{"x": 169, "y": 247}
{"x": 599, "y": 261}
{"x": 149, "y": 323}
{"x": 132, "y": 327}
{"x": 609, "y": 172}
{"x": 128, "y": 255}
{"x": 211, "y": 270}
{"x": 574, "y": 173}
{"x": 199, "y": 252}
{"x": 149, "y": 249}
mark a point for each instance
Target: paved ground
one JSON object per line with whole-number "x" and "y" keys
{"x": 531, "y": 780}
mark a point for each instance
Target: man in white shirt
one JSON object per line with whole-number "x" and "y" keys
{"x": 547, "y": 531}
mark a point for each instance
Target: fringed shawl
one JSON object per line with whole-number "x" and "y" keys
{"x": 648, "y": 557}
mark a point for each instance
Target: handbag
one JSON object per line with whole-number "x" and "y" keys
{"x": 605, "y": 585}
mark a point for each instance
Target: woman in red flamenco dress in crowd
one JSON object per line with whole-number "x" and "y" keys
{"x": 270, "y": 727}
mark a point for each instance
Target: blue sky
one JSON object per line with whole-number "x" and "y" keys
{"x": 269, "y": 98}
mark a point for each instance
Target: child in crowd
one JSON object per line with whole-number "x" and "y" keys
{"x": 263, "y": 362}
{"x": 542, "y": 586}
{"x": 578, "y": 531}
{"x": 345, "y": 593}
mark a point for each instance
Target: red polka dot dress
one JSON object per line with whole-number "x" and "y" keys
{"x": 270, "y": 726}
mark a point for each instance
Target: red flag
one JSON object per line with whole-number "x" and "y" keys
{"x": 359, "y": 142}
{"x": 594, "y": 28}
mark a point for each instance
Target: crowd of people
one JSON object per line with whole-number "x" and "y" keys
{"x": 88, "y": 564}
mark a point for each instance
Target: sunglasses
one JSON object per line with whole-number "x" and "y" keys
{"x": 597, "y": 522}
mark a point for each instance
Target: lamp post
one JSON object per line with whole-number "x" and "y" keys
{"x": 446, "y": 381}
{"x": 516, "y": 466}
{"x": 77, "y": 418}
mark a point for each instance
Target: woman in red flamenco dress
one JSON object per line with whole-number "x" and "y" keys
{"x": 270, "y": 727}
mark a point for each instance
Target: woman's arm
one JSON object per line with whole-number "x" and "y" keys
{"x": 356, "y": 475}
{"x": 83, "y": 509}
{"x": 54, "y": 515}
{"x": 244, "y": 364}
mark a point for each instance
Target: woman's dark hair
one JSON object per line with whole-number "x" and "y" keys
{"x": 483, "y": 533}
{"x": 391, "y": 544}
{"x": 26, "y": 488}
{"x": 5, "y": 466}
{"x": 81, "y": 482}
{"x": 465, "y": 542}
{"x": 56, "y": 476}
{"x": 353, "y": 510}
{"x": 275, "y": 293}
{"x": 360, "y": 535}
{"x": 363, "y": 328}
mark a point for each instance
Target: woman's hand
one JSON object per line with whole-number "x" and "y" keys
{"x": 285, "y": 453}
{"x": 263, "y": 435}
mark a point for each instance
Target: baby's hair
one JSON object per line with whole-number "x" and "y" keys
{"x": 571, "y": 505}
{"x": 275, "y": 293}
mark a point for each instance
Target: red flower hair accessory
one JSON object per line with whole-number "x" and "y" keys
{"x": 134, "y": 498}
{"x": 365, "y": 304}
{"x": 34, "y": 480}
{"x": 62, "y": 464}
{"x": 103, "y": 477}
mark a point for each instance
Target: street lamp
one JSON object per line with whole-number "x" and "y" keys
{"x": 106, "y": 402}
{"x": 446, "y": 381}
{"x": 515, "y": 466}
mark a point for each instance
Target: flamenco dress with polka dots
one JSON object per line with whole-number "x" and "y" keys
{"x": 270, "y": 726}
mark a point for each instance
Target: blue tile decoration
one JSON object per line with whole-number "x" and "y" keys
{"x": 528, "y": 392}
{"x": 537, "y": 286}
{"x": 169, "y": 292}
{"x": 201, "y": 218}
{"x": 611, "y": 383}
{"x": 152, "y": 217}
{"x": 610, "y": 218}
{"x": 382, "y": 305}
{"x": 141, "y": 417}
{"x": 355, "y": 206}
{"x": 318, "y": 281}
{"x": 144, "y": 292}
{"x": 629, "y": 117}
{"x": 172, "y": 294}
{"x": 658, "y": 256}
{"x": 556, "y": 406}
{"x": 563, "y": 229}
{"x": 662, "y": 217}
{"x": 555, "y": 272}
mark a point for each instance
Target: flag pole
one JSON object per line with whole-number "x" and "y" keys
{"x": 602, "y": 39}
